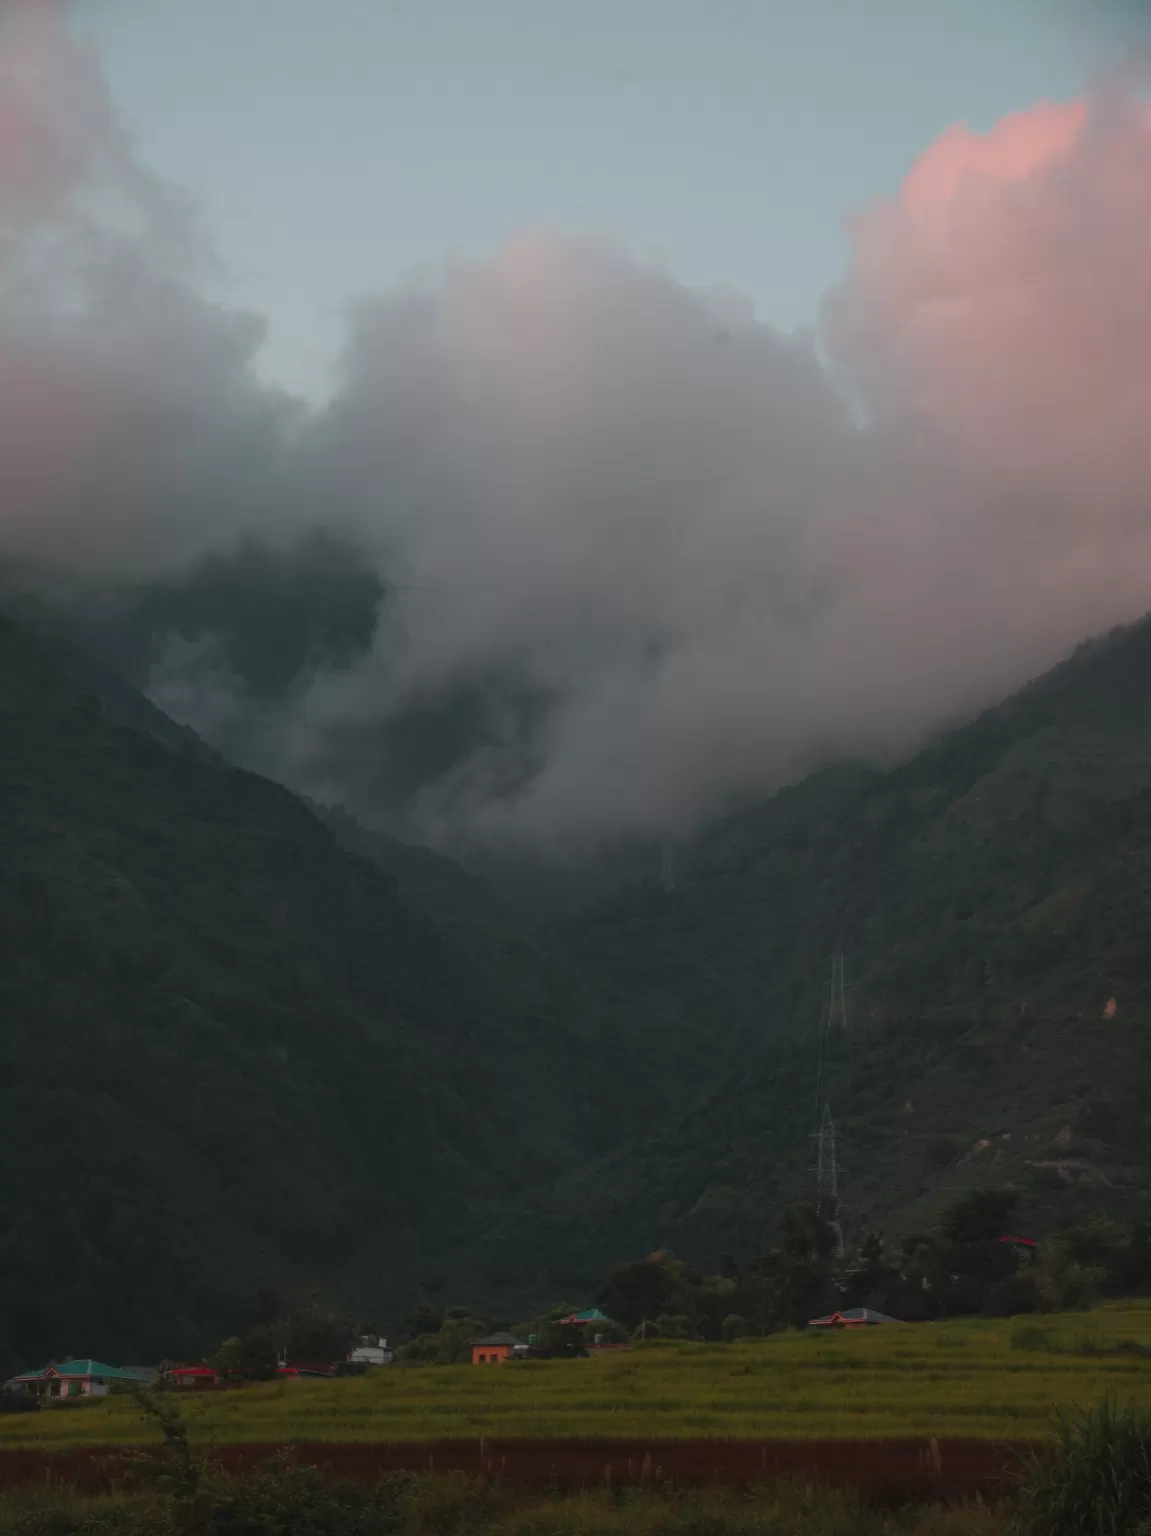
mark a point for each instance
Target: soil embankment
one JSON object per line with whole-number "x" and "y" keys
{"x": 910, "y": 1468}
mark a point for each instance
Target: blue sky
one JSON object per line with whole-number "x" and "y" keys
{"x": 337, "y": 146}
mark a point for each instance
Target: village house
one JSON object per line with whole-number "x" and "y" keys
{"x": 198, "y": 1375}
{"x": 67, "y": 1379}
{"x": 371, "y": 1351}
{"x": 583, "y": 1319}
{"x": 497, "y": 1346}
{"x": 596, "y": 1339}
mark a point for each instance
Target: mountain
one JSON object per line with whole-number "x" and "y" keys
{"x": 993, "y": 899}
{"x": 544, "y": 998}
{"x": 247, "y": 1042}
{"x": 230, "y": 1054}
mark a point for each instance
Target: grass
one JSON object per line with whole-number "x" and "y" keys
{"x": 1094, "y": 1478}
{"x": 459, "y": 1506}
{"x": 994, "y": 1380}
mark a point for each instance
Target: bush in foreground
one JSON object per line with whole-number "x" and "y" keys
{"x": 286, "y": 1500}
{"x": 1095, "y": 1477}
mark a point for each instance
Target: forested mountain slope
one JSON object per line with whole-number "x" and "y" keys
{"x": 992, "y": 896}
{"x": 234, "y": 1052}
{"x": 229, "y": 1054}
{"x": 1003, "y": 868}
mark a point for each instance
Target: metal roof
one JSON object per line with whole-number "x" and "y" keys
{"x": 87, "y": 1367}
{"x": 853, "y": 1315}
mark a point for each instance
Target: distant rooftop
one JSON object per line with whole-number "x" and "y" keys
{"x": 86, "y": 1368}
{"x": 852, "y": 1315}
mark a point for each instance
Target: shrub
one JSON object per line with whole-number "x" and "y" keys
{"x": 674, "y": 1326}
{"x": 284, "y": 1497}
{"x": 1095, "y": 1477}
{"x": 1031, "y": 1337}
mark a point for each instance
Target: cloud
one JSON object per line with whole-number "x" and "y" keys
{"x": 604, "y": 554}
{"x": 129, "y": 423}
{"x": 1001, "y": 302}
{"x": 650, "y": 508}
{"x": 1004, "y": 294}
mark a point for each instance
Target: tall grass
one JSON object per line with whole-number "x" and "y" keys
{"x": 1095, "y": 1477}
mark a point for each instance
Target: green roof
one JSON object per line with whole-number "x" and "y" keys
{"x": 81, "y": 1368}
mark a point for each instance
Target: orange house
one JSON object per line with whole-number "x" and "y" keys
{"x": 497, "y": 1346}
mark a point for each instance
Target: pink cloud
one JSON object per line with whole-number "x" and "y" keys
{"x": 1005, "y": 293}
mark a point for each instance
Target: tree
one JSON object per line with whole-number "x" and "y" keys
{"x": 255, "y": 1356}
{"x": 560, "y": 1341}
{"x": 313, "y": 1332}
{"x": 422, "y": 1319}
{"x": 640, "y": 1291}
{"x": 984, "y": 1216}
{"x": 805, "y": 1237}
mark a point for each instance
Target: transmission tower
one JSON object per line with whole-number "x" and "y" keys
{"x": 827, "y": 1178}
{"x": 833, "y": 1032}
{"x": 667, "y": 867}
{"x": 834, "y": 1040}
{"x": 837, "y": 1006}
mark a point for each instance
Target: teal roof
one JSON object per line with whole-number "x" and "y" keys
{"x": 592, "y": 1315}
{"x": 81, "y": 1368}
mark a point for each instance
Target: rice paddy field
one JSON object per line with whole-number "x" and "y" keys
{"x": 1001, "y": 1380}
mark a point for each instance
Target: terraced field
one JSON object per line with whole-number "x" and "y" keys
{"x": 990, "y": 1380}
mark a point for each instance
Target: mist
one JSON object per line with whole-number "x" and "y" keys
{"x": 576, "y": 553}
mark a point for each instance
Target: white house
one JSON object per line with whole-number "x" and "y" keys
{"x": 371, "y": 1351}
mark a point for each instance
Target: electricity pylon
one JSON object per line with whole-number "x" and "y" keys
{"x": 837, "y": 1007}
{"x": 827, "y": 1178}
{"x": 667, "y": 867}
{"x": 834, "y": 1023}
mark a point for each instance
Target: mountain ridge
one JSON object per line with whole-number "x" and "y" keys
{"x": 231, "y": 1056}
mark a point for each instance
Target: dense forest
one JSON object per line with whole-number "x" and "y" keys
{"x": 230, "y": 1055}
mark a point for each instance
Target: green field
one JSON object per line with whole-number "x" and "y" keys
{"x": 1000, "y": 1380}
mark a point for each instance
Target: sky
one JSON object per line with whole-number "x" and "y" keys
{"x": 418, "y": 400}
{"x": 727, "y": 138}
